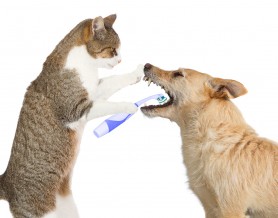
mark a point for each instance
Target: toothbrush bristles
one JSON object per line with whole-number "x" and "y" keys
{"x": 161, "y": 99}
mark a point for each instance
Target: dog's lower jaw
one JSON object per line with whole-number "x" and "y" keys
{"x": 149, "y": 113}
{"x": 159, "y": 112}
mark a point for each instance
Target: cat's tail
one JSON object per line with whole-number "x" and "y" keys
{"x": 2, "y": 192}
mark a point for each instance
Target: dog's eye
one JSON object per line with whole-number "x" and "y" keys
{"x": 178, "y": 74}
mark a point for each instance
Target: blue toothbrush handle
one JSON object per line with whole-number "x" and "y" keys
{"x": 115, "y": 120}
{"x": 111, "y": 123}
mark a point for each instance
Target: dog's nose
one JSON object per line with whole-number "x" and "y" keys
{"x": 147, "y": 67}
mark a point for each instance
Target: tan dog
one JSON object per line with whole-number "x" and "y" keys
{"x": 231, "y": 169}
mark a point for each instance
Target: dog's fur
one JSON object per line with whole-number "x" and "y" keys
{"x": 231, "y": 169}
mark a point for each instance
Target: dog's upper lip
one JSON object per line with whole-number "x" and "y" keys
{"x": 149, "y": 78}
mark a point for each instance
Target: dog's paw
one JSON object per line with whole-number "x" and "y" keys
{"x": 137, "y": 74}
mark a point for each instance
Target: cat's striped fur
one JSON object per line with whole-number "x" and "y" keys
{"x": 56, "y": 107}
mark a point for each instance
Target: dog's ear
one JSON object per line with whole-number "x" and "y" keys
{"x": 226, "y": 88}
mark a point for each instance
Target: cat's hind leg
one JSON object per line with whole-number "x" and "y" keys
{"x": 65, "y": 207}
{"x": 52, "y": 214}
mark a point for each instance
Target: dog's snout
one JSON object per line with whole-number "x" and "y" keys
{"x": 147, "y": 67}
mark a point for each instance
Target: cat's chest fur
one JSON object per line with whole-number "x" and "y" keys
{"x": 83, "y": 64}
{"x": 80, "y": 61}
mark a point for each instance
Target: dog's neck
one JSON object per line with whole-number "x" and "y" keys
{"x": 201, "y": 123}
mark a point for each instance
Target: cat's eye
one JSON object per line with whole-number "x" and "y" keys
{"x": 107, "y": 49}
{"x": 178, "y": 74}
{"x": 114, "y": 51}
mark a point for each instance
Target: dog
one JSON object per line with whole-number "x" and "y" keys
{"x": 232, "y": 170}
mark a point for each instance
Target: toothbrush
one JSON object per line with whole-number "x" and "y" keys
{"x": 117, "y": 119}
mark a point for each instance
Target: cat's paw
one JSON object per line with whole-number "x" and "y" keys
{"x": 137, "y": 74}
{"x": 129, "y": 108}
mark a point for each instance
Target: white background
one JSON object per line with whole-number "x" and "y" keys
{"x": 136, "y": 171}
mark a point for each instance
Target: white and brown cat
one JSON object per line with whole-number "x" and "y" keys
{"x": 56, "y": 107}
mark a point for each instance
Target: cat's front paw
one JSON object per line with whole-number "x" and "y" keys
{"x": 137, "y": 74}
{"x": 130, "y": 108}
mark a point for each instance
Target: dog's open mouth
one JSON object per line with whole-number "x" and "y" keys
{"x": 168, "y": 95}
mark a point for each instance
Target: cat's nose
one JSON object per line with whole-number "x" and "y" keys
{"x": 147, "y": 67}
{"x": 119, "y": 61}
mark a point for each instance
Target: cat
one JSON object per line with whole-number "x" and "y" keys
{"x": 56, "y": 107}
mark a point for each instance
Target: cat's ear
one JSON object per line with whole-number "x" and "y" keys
{"x": 98, "y": 28}
{"x": 109, "y": 20}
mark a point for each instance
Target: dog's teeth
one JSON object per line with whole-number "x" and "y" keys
{"x": 146, "y": 78}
